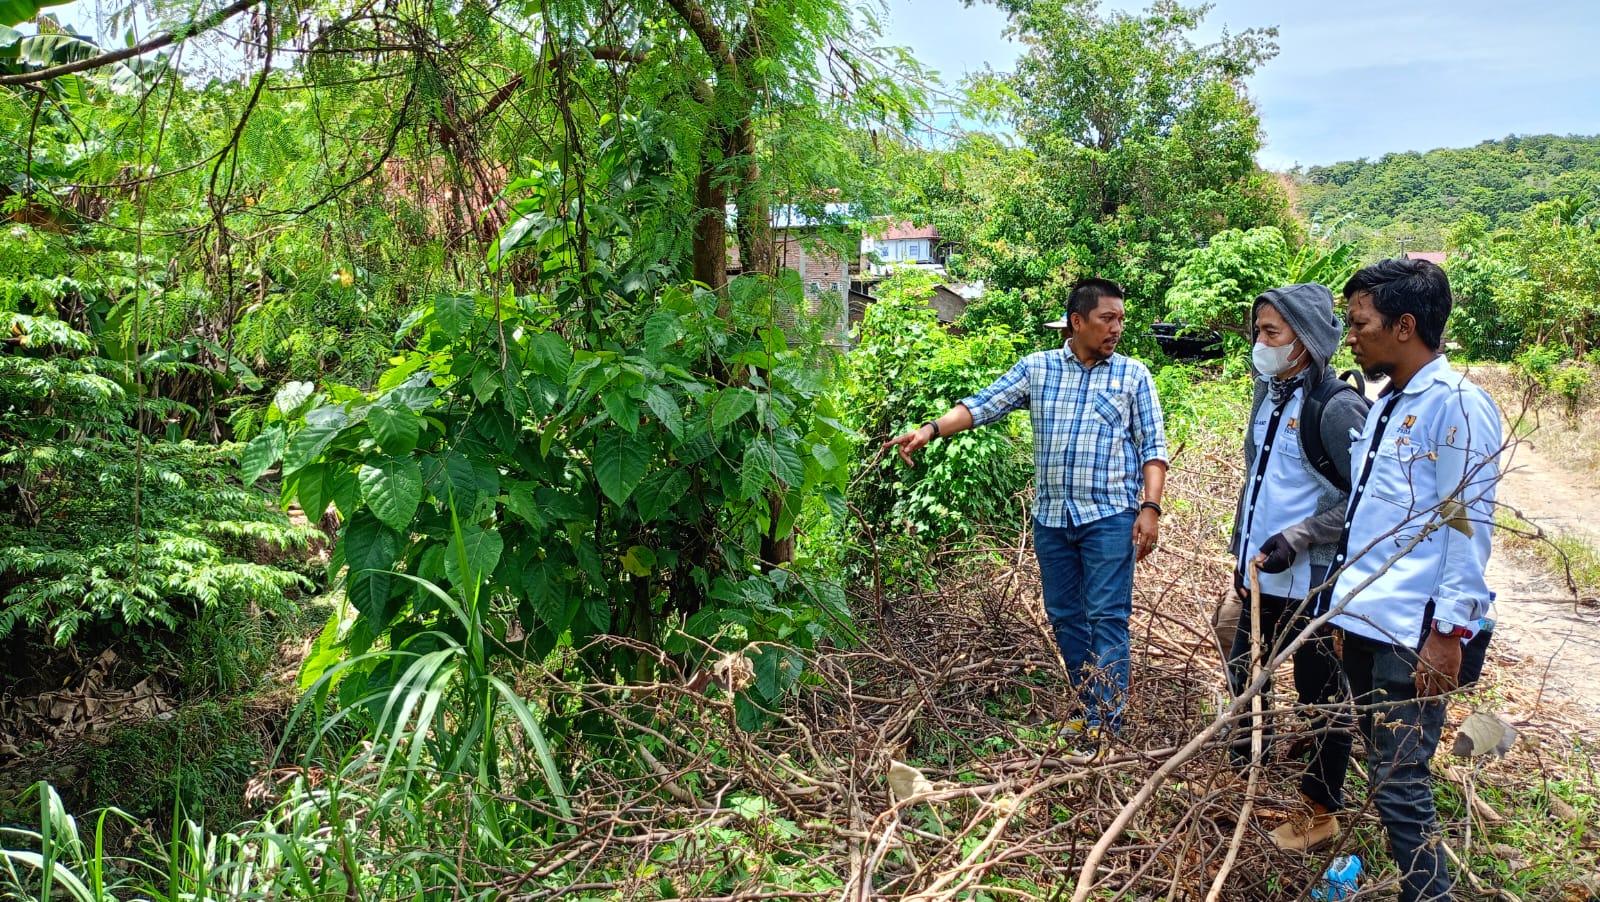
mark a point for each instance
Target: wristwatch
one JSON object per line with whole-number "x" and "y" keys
{"x": 1453, "y": 630}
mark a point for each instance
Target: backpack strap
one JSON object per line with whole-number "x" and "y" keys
{"x": 1311, "y": 422}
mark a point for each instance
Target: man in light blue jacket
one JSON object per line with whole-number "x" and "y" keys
{"x": 1415, "y": 545}
{"x": 1288, "y": 524}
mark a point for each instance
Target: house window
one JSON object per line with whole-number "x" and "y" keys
{"x": 914, "y": 251}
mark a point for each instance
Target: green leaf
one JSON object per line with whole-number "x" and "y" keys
{"x": 756, "y": 472}
{"x": 697, "y": 447}
{"x": 597, "y": 610}
{"x": 478, "y": 548}
{"x": 326, "y": 652}
{"x": 788, "y": 465}
{"x": 53, "y": 49}
{"x": 452, "y": 479}
{"x": 825, "y": 456}
{"x": 731, "y": 404}
{"x": 307, "y": 445}
{"x": 263, "y": 451}
{"x": 551, "y": 355}
{"x": 588, "y": 555}
{"x": 521, "y": 501}
{"x": 639, "y": 561}
{"x": 496, "y": 427}
{"x": 369, "y": 545}
{"x": 561, "y": 506}
{"x": 392, "y": 489}
{"x": 661, "y": 330}
{"x": 620, "y": 461}
{"x": 546, "y": 593}
{"x": 622, "y": 409}
{"x": 395, "y": 427}
{"x": 512, "y": 236}
{"x": 485, "y": 382}
{"x": 453, "y": 313}
{"x": 312, "y": 491}
{"x": 659, "y": 492}
{"x": 342, "y": 487}
{"x": 412, "y": 397}
{"x": 292, "y": 398}
{"x": 666, "y": 409}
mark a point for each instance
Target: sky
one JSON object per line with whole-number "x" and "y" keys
{"x": 1355, "y": 79}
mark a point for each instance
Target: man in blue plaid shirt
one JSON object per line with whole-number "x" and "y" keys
{"x": 1098, "y": 442}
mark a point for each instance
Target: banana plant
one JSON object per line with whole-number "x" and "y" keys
{"x": 56, "y": 44}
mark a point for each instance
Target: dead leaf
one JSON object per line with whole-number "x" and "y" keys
{"x": 906, "y": 781}
{"x": 1482, "y": 733}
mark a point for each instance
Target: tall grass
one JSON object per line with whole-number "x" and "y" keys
{"x": 417, "y": 789}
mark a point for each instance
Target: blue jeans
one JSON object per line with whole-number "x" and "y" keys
{"x": 1401, "y": 734}
{"x": 1087, "y": 571}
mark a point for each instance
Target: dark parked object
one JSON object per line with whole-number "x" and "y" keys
{"x": 1186, "y": 347}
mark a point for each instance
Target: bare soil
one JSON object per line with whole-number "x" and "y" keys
{"x": 1540, "y": 622}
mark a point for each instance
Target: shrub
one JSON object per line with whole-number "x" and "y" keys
{"x": 104, "y": 525}
{"x": 904, "y": 370}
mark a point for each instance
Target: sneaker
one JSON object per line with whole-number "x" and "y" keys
{"x": 1083, "y": 740}
{"x": 1072, "y": 728}
{"x": 1307, "y": 831}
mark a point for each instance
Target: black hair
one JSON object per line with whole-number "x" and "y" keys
{"x": 1401, "y": 286}
{"x": 1087, "y": 293}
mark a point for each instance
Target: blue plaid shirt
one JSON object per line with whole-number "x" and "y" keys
{"x": 1094, "y": 429}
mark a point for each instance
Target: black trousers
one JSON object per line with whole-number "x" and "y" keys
{"x": 1319, "y": 684}
{"x": 1401, "y": 732}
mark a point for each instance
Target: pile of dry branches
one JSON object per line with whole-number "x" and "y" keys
{"x": 965, "y": 683}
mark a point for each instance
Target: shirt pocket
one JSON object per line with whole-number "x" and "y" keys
{"x": 1288, "y": 444}
{"x": 1111, "y": 408}
{"x": 1397, "y": 478}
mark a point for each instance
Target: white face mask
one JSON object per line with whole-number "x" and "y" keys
{"x": 1270, "y": 361}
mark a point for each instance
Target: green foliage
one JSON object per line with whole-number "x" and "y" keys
{"x": 105, "y": 526}
{"x": 1421, "y": 196}
{"x": 906, "y": 369}
{"x": 1218, "y": 284}
{"x": 1535, "y": 283}
{"x": 569, "y": 489}
{"x": 1551, "y": 369}
{"x": 1140, "y": 145}
{"x": 15, "y": 12}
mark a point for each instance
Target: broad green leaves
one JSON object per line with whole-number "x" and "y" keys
{"x": 472, "y": 555}
{"x": 575, "y": 476}
{"x": 453, "y": 313}
{"x": 729, "y": 405}
{"x": 370, "y": 549}
{"x": 392, "y": 489}
{"x": 263, "y": 451}
{"x": 395, "y": 429}
{"x": 620, "y": 461}
{"x": 659, "y": 492}
{"x": 307, "y": 445}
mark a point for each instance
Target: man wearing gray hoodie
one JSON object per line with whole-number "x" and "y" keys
{"x": 1288, "y": 525}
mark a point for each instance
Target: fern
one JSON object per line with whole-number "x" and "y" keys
{"x": 103, "y": 525}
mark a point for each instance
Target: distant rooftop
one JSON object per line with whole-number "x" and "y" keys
{"x": 1434, "y": 257}
{"x": 906, "y": 230}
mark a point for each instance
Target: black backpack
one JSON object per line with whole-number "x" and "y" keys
{"x": 1311, "y": 422}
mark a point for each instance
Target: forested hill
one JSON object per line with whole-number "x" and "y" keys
{"x": 1498, "y": 179}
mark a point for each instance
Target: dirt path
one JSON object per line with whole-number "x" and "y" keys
{"x": 1538, "y": 621}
